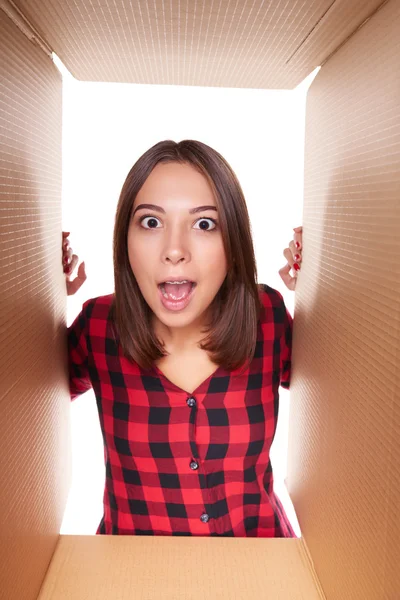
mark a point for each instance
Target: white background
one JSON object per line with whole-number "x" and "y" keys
{"x": 106, "y": 127}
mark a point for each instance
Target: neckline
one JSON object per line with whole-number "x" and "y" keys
{"x": 170, "y": 384}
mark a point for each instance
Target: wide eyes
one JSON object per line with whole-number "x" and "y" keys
{"x": 203, "y": 220}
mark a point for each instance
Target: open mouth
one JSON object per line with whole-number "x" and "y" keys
{"x": 176, "y": 296}
{"x": 176, "y": 292}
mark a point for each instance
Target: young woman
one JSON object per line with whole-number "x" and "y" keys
{"x": 186, "y": 356}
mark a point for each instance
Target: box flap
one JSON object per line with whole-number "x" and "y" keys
{"x": 34, "y": 405}
{"x": 171, "y": 568}
{"x": 344, "y": 434}
{"x": 250, "y": 44}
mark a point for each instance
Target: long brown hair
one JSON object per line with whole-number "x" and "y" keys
{"x": 236, "y": 307}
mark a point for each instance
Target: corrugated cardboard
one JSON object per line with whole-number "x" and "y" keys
{"x": 247, "y": 44}
{"x": 145, "y": 568}
{"x": 343, "y": 473}
{"x": 34, "y": 410}
{"x": 344, "y": 432}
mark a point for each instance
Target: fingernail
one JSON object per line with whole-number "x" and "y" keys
{"x": 297, "y": 244}
{"x": 297, "y": 257}
{"x": 296, "y": 267}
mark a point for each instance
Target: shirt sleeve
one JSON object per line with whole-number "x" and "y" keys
{"x": 286, "y": 348}
{"x": 79, "y": 379}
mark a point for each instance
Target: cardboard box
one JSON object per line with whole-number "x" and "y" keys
{"x": 343, "y": 474}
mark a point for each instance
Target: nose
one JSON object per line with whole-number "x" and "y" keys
{"x": 175, "y": 256}
{"x": 176, "y": 248}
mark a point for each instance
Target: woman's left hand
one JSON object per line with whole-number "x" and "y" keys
{"x": 293, "y": 255}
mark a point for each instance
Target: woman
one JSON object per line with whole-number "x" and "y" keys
{"x": 186, "y": 357}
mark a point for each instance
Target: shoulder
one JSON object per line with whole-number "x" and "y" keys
{"x": 270, "y": 297}
{"x": 273, "y": 308}
{"x": 99, "y": 307}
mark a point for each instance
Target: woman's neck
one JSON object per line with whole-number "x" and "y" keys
{"x": 178, "y": 339}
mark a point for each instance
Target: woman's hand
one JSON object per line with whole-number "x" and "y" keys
{"x": 69, "y": 261}
{"x": 293, "y": 255}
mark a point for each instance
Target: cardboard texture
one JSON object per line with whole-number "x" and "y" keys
{"x": 250, "y": 44}
{"x": 344, "y": 431}
{"x": 343, "y": 472}
{"x": 34, "y": 411}
{"x": 144, "y": 568}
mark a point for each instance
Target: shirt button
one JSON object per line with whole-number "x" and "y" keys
{"x": 205, "y": 518}
{"x": 194, "y": 465}
{"x": 191, "y": 402}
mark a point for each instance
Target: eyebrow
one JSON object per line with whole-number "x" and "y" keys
{"x": 192, "y": 211}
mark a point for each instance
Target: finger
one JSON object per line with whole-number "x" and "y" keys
{"x": 65, "y": 241}
{"x": 68, "y": 269}
{"x": 287, "y": 253}
{"x": 289, "y": 281}
{"x": 298, "y": 239}
{"x": 73, "y": 286}
{"x": 67, "y": 261}
{"x": 296, "y": 254}
{"x": 65, "y": 234}
{"x": 298, "y": 229}
{"x": 67, "y": 256}
{"x": 293, "y": 272}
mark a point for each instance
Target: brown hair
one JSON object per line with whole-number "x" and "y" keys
{"x": 236, "y": 307}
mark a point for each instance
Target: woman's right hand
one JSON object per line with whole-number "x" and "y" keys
{"x": 69, "y": 262}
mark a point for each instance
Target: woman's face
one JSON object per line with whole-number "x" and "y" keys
{"x": 174, "y": 240}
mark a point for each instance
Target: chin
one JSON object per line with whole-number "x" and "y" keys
{"x": 187, "y": 316}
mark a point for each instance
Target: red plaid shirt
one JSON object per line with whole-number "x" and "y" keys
{"x": 179, "y": 463}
